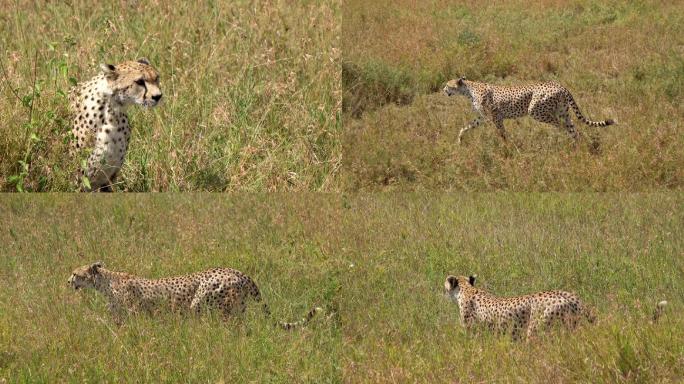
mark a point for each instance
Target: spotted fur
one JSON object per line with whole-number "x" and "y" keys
{"x": 224, "y": 289}
{"x": 545, "y": 102}
{"x": 99, "y": 122}
{"x": 516, "y": 314}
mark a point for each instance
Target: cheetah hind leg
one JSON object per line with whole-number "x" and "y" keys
{"x": 544, "y": 111}
{"x": 207, "y": 298}
{"x": 233, "y": 304}
{"x": 564, "y": 117}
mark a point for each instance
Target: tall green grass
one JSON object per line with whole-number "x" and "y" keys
{"x": 51, "y": 333}
{"x": 619, "y": 59}
{"x": 375, "y": 263}
{"x": 621, "y": 253}
{"x": 251, "y": 92}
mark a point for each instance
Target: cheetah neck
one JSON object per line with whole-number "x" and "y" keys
{"x": 104, "y": 90}
{"x": 106, "y": 278}
{"x": 467, "y": 92}
{"x": 96, "y": 91}
{"x": 466, "y": 293}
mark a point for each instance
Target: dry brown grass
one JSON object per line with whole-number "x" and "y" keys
{"x": 620, "y": 60}
{"x": 252, "y": 92}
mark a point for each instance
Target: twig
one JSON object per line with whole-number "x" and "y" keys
{"x": 33, "y": 86}
{"x": 5, "y": 75}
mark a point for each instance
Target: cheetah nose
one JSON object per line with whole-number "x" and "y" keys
{"x": 157, "y": 97}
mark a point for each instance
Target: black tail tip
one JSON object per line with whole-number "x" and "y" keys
{"x": 609, "y": 122}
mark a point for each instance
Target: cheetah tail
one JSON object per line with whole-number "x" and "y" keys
{"x": 288, "y": 326}
{"x": 586, "y": 121}
{"x": 660, "y": 307}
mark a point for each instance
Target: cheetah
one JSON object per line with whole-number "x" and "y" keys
{"x": 545, "y": 102}
{"x": 516, "y": 314}
{"x": 224, "y": 289}
{"x": 99, "y": 121}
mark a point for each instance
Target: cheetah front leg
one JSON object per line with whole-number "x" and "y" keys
{"x": 117, "y": 311}
{"x": 110, "y": 183}
{"x": 476, "y": 122}
{"x": 535, "y": 321}
{"x": 200, "y": 298}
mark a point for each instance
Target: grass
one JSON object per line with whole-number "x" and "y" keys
{"x": 251, "y": 92}
{"x": 621, "y": 253}
{"x": 620, "y": 60}
{"x": 50, "y": 333}
{"x": 380, "y": 281}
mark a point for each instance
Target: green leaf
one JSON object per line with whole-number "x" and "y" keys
{"x": 26, "y": 100}
{"x": 86, "y": 182}
{"x": 73, "y": 81}
{"x": 63, "y": 69}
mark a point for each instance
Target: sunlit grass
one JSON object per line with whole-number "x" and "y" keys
{"x": 620, "y": 60}
{"x": 620, "y": 253}
{"x": 251, "y": 92}
{"x": 51, "y": 333}
{"x": 375, "y": 263}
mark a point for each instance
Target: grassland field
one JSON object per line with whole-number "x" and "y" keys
{"x": 620, "y": 60}
{"x": 264, "y": 97}
{"x": 376, "y": 263}
{"x": 50, "y": 333}
{"x": 252, "y": 92}
{"x": 621, "y": 253}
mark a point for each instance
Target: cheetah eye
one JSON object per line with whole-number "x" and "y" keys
{"x": 140, "y": 82}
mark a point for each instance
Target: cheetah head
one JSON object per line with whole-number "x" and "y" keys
{"x": 455, "y": 87}
{"x": 133, "y": 82}
{"x": 453, "y": 285}
{"x": 84, "y": 277}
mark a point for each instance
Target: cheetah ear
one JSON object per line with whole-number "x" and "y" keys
{"x": 143, "y": 60}
{"x": 471, "y": 280}
{"x": 109, "y": 71}
{"x": 94, "y": 268}
{"x": 453, "y": 281}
